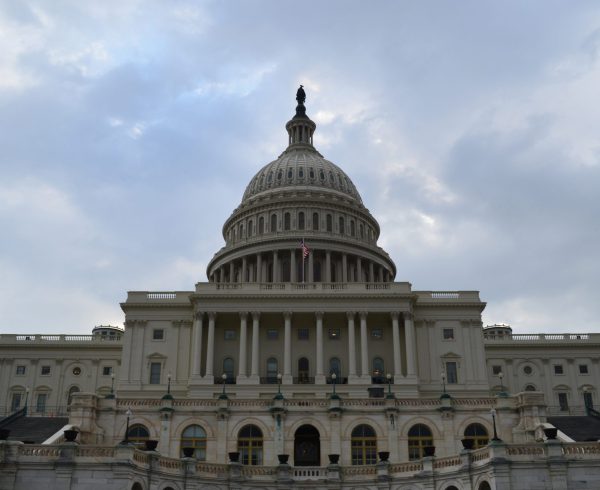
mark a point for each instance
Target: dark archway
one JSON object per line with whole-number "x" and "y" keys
{"x": 307, "y": 446}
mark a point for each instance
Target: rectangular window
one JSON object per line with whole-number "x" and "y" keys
{"x": 496, "y": 370}
{"x": 158, "y": 334}
{"x": 303, "y": 334}
{"x": 229, "y": 334}
{"x": 272, "y": 334}
{"x": 40, "y": 404}
{"x": 377, "y": 333}
{"x": 45, "y": 371}
{"x": 563, "y": 402}
{"x": 15, "y": 403}
{"x": 448, "y": 334}
{"x": 21, "y": 370}
{"x": 451, "y": 373}
{"x": 107, "y": 370}
{"x": 155, "y": 373}
{"x": 558, "y": 369}
{"x": 583, "y": 369}
{"x": 334, "y": 333}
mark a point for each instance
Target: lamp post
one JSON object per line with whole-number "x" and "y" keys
{"x": 129, "y": 413}
{"x": 26, "y": 399}
{"x": 169, "y": 384}
{"x": 223, "y": 395}
{"x": 493, "y": 414}
{"x": 444, "y": 394}
{"x": 390, "y": 395}
{"x": 279, "y": 396}
{"x": 501, "y": 377}
{"x": 111, "y": 395}
{"x": 333, "y": 380}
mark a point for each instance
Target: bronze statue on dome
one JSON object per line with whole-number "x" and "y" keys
{"x": 301, "y": 95}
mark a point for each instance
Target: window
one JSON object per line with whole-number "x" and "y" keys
{"x": 272, "y": 370}
{"x": 451, "y": 373}
{"x": 352, "y": 228}
{"x": 290, "y": 173}
{"x": 229, "y": 334}
{"x": 558, "y": 369}
{"x": 158, "y": 334}
{"x": 496, "y": 370}
{"x": 377, "y": 333}
{"x": 250, "y": 445}
{"x": 194, "y": 436}
{"x": 378, "y": 370}
{"x": 303, "y": 371}
{"x": 45, "y": 371}
{"x": 300, "y": 172}
{"x": 21, "y": 370}
{"x": 311, "y": 173}
{"x": 228, "y": 369}
{"x": 563, "y": 402}
{"x": 335, "y": 366}
{"x": 273, "y": 223}
{"x": 588, "y": 400}
{"x": 530, "y": 388}
{"x": 138, "y": 435}
{"x": 448, "y": 334}
{"x": 363, "y": 445}
{"x": 419, "y": 437}
{"x": 342, "y": 228}
{"x": 583, "y": 369}
{"x": 155, "y": 368}
{"x": 334, "y": 333}
{"x": 72, "y": 391}
{"x": 528, "y": 370}
{"x": 15, "y": 403}
{"x": 303, "y": 334}
{"x": 107, "y": 370}
{"x": 250, "y": 227}
{"x": 272, "y": 334}
{"x": 76, "y": 371}
{"x": 315, "y": 221}
{"x": 361, "y": 231}
{"x": 301, "y": 221}
{"x": 40, "y": 402}
{"x": 329, "y": 223}
{"x": 287, "y": 221}
{"x": 478, "y": 434}
{"x": 261, "y": 225}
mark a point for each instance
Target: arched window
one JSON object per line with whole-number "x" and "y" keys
{"x": 361, "y": 231}
{"x": 451, "y": 487}
{"x": 419, "y": 437}
{"x": 72, "y": 391}
{"x": 250, "y": 228}
{"x": 250, "y": 445}
{"x": 261, "y": 225}
{"x": 194, "y": 436}
{"x": 301, "y": 220}
{"x": 335, "y": 366}
{"x": 342, "y": 229}
{"x": 315, "y": 221}
{"x": 272, "y": 370}
{"x": 378, "y": 370}
{"x": 303, "y": 371}
{"x": 530, "y": 388}
{"x": 329, "y": 223}
{"x": 363, "y": 445}
{"x": 484, "y": 486}
{"x": 241, "y": 231}
{"x": 138, "y": 434}
{"x": 137, "y": 486}
{"x": 228, "y": 369}
{"x": 478, "y": 434}
{"x": 352, "y": 228}
{"x": 287, "y": 221}
{"x": 273, "y": 223}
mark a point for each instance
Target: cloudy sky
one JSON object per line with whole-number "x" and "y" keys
{"x": 129, "y": 129}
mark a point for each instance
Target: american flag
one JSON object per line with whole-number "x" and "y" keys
{"x": 305, "y": 249}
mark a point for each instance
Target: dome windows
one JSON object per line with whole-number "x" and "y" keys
{"x": 270, "y": 177}
{"x": 300, "y": 173}
{"x": 301, "y": 220}
{"x": 311, "y": 173}
{"x": 287, "y": 221}
{"x": 321, "y": 175}
{"x": 290, "y": 174}
{"x": 315, "y": 221}
{"x": 279, "y": 174}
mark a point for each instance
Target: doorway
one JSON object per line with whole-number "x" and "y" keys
{"x": 307, "y": 446}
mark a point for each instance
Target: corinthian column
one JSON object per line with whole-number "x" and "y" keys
{"x": 287, "y": 348}
{"x": 243, "y": 346}
{"x": 197, "y": 344}
{"x": 411, "y": 348}
{"x": 210, "y": 347}
{"x": 396, "y": 341}
{"x": 319, "y": 376}
{"x": 352, "y": 377}
{"x": 254, "y": 373}
{"x": 364, "y": 349}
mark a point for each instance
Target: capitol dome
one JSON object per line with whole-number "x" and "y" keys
{"x": 301, "y": 197}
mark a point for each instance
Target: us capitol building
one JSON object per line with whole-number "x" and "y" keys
{"x": 303, "y": 363}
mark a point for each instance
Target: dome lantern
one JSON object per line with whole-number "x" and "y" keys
{"x": 300, "y": 128}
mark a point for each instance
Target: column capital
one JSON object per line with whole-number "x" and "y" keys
{"x": 350, "y": 315}
{"x": 407, "y": 315}
{"x": 319, "y": 315}
{"x": 198, "y": 315}
{"x": 255, "y": 315}
{"x": 243, "y": 314}
{"x": 212, "y": 315}
{"x": 363, "y": 314}
{"x": 395, "y": 315}
{"x": 287, "y": 315}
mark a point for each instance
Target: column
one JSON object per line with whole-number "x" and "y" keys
{"x": 327, "y": 266}
{"x": 222, "y": 273}
{"x": 364, "y": 350}
{"x": 344, "y": 268}
{"x": 210, "y": 348}
{"x": 311, "y": 269}
{"x": 275, "y": 266}
{"x": 197, "y": 344}
{"x": 411, "y": 348}
{"x": 259, "y": 268}
{"x": 287, "y": 349}
{"x": 396, "y": 340}
{"x": 293, "y": 266}
{"x": 231, "y": 272}
{"x": 243, "y": 344}
{"x": 254, "y": 372}
{"x": 371, "y": 272}
{"x": 244, "y": 269}
{"x": 380, "y": 274}
{"x": 359, "y": 276}
{"x": 319, "y": 375}
{"x": 351, "y": 348}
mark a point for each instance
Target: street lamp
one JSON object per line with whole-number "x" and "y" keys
{"x": 390, "y": 395}
{"x": 501, "y": 377}
{"x": 129, "y": 413}
{"x": 168, "y": 395}
{"x": 493, "y": 414}
{"x": 444, "y": 394}
{"x": 111, "y": 395}
{"x": 223, "y": 395}
{"x": 279, "y": 396}
{"x": 334, "y": 395}
{"x": 26, "y": 399}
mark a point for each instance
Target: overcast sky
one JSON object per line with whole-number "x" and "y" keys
{"x": 129, "y": 130}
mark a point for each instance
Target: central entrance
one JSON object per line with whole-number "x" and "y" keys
{"x": 307, "y": 446}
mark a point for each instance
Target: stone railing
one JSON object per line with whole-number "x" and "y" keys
{"x": 550, "y": 338}
{"x": 45, "y": 339}
{"x": 309, "y": 473}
